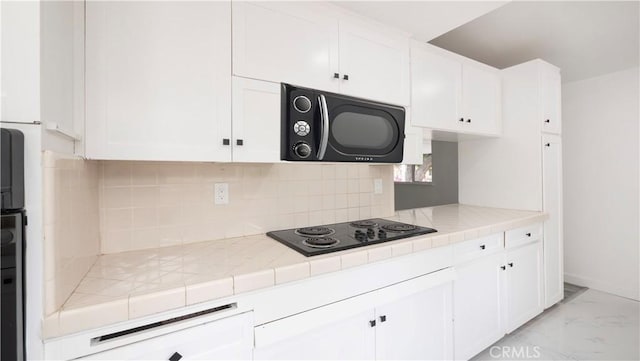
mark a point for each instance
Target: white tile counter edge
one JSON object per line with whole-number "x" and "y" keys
{"x": 71, "y": 320}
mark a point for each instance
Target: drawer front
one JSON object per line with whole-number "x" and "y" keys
{"x": 229, "y": 338}
{"x": 521, "y": 236}
{"x": 476, "y": 248}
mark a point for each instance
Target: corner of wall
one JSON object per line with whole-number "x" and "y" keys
{"x": 71, "y": 224}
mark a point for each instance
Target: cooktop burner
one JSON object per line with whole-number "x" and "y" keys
{"x": 316, "y": 240}
{"x": 314, "y": 231}
{"x": 322, "y": 242}
{"x": 401, "y": 227}
{"x": 364, "y": 224}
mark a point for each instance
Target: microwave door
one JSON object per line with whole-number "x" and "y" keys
{"x": 361, "y": 131}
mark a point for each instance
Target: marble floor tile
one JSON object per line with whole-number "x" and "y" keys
{"x": 592, "y": 326}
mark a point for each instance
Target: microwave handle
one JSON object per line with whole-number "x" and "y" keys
{"x": 324, "y": 130}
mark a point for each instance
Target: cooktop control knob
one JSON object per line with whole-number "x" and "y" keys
{"x": 302, "y": 104}
{"x": 302, "y": 150}
{"x": 301, "y": 128}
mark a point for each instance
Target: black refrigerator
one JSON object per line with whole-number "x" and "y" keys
{"x": 12, "y": 246}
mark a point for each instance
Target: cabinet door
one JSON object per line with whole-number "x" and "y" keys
{"x": 375, "y": 62}
{"x": 256, "y": 121}
{"x": 551, "y": 99}
{"x": 287, "y": 42}
{"x": 436, "y": 90}
{"x": 552, "y": 205}
{"x": 413, "y": 142}
{"x": 345, "y": 337}
{"x": 418, "y": 327}
{"x": 478, "y": 305}
{"x": 226, "y": 339}
{"x": 524, "y": 284}
{"x": 158, "y": 80}
{"x": 481, "y": 100}
{"x": 20, "y": 81}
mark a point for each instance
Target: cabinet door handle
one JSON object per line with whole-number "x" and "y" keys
{"x": 239, "y": 142}
{"x": 469, "y": 120}
{"x": 372, "y": 323}
{"x": 383, "y": 318}
{"x": 225, "y": 141}
{"x": 503, "y": 267}
{"x": 547, "y": 121}
{"x": 528, "y": 234}
{"x": 547, "y": 145}
{"x": 510, "y": 264}
{"x": 175, "y": 357}
{"x": 336, "y": 76}
{"x": 482, "y": 246}
{"x": 345, "y": 77}
{"x": 461, "y": 120}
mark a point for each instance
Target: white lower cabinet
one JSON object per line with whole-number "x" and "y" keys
{"x": 417, "y": 327}
{"x": 410, "y": 320}
{"x": 497, "y": 293}
{"x": 523, "y": 284}
{"x": 230, "y": 338}
{"x": 478, "y": 305}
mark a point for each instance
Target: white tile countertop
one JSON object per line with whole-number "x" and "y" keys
{"x": 129, "y": 285}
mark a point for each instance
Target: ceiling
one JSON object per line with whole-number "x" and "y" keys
{"x": 583, "y": 38}
{"x": 424, "y": 19}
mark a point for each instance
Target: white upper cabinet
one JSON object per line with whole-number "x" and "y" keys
{"x": 550, "y": 94}
{"x": 436, "y": 88}
{"x": 158, "y": 80}
{"x": 287, "y": 42}
{"x": 256, "y": 121}
{"x": 480, "y": 100}
{"x": 374, "y": 64}
{"x": 452, "y": 93}
{"x": 316, "y": 45}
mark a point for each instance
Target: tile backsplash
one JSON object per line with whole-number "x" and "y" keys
{"x": 153, "y": 204}
{"x": 71, "y": 224}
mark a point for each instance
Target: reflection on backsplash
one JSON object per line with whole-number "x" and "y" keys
{"x": 153, "y": 204}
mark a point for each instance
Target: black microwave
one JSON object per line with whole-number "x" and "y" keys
{"x": 322, "y": 126}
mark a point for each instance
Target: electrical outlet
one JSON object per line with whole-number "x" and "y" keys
{"x": 377, "y": 186}
{"x": 221, "y": 193}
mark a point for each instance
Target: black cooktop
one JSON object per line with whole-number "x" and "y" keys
{"x": 312, "y": 241}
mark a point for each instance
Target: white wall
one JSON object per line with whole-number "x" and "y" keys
{"x": 600, "y": 135}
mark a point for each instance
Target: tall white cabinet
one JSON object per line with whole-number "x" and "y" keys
{"x": 523, "y": 168}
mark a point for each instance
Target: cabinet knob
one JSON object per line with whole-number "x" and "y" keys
{"x": 372, "y": 323}
{"x": 547, "y": 121}
{"x": 528, "y": 234}
{"x": 461, "y": 120}
{"x": 336, "y": 76}
{"x": 469, "y": 120}
{"x": 482, "y": 246}
{"x": 547, "y": 145}
{"x": 175, "y": 357}
{"x": 226, "y": 141}
{"x": 345, "y": 77}
{"x": 383, "y": 318}
{"x": 503, "y": 267}
{"x": 510, "y": 264}
{"x": 239, "y": 142}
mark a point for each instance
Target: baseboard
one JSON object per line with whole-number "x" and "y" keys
{"x": 602, "y": 286}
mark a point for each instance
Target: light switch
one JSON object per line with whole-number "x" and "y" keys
{"x": 377, "y": 186}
